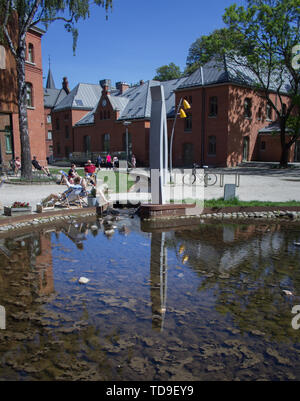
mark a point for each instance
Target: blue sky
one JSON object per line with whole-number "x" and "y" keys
{"x": 138, "y": 37}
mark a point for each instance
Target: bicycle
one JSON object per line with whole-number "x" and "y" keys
{"x": 209, "y": 178}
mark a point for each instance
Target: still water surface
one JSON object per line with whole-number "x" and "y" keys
{"x": 204, "y": 303}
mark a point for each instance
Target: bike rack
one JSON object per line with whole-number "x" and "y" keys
{"x": 236, "y": 181}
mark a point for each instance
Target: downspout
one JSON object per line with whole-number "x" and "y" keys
{"x": 12, "y": 137}
{"x": 203, "y": 119}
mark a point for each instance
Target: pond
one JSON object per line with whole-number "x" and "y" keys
{"x": 205, "y": 302}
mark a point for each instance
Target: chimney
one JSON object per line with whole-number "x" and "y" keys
{"x": 65, "y": 85}
{"x": 142, "y": 82}
{"x": 105, "y": 85}
{"x": 122, "y": 87}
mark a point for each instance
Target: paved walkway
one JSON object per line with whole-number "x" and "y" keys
{"x": 257, "y": 184}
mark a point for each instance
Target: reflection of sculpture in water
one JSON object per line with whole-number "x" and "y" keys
{"x": 76, "y": 233}
{"x": 158, "y": 277}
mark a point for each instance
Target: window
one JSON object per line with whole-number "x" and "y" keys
{"x": 263, "y": 145}
{"x": 2, "y": 58}
{"x": 87, "y": 143}
{"x": 30, "y": 53}
{"x": 259, "y": 114}
{"x": 49, "y": 119}
{"x": 213, "y": 106}
{"x": 212, "y": 145}
{"x": 188, "y": 154}
{"x": 8, "y": 147}
{"x": 66, "y": 131}
{"x": 248, "y": 108}
{"x": 49, "y": 137}
{"x": 57, "y": 123}
{"x": 66, "y": 117}
{"x": 106, "y": 142}
{"x": 29, "y": 95}
{"x": 269, "y": 112}
{"x": 58, "y": 148}
{"x": 188, "y": 122}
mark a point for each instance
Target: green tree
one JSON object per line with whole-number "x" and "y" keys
{"x": 29, "y": 14}
{"x": 167, "y": 72}
{"x": 260, "y": 38}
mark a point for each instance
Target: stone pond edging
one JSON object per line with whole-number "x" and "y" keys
{"x": 34, "y": 220}
{"x": 289, "y": 213}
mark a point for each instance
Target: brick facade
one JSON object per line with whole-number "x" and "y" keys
{"x": 8, "y": 100}
{"x": 222, "y": 129}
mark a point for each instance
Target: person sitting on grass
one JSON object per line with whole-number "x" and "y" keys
{"x": 17, "y": 165}
{"x": 89, "y": 170}
{"x": 37, "y": 166}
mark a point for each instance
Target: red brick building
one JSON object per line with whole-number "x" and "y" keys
{"x": 9, "y": 124}
{"x": 52, "y": 97}
{"x": 228, "y": 122}
{"x": 80, "y": 100}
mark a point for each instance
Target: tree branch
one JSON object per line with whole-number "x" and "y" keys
{"x": 5, "y": 30}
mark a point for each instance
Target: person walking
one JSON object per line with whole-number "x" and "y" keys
{"x": 99, "y": 161}
{"x": 133, "y": 161}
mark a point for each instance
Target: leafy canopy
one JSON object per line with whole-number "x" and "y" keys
{"x": 167, "y": 72}
{"x": 34, "y": 12}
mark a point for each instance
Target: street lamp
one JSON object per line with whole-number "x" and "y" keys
{"x": 126, "y": 124}
{"x": 179, "y": 112}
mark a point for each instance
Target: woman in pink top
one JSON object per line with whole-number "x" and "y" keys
{"x": 108, "y": 161}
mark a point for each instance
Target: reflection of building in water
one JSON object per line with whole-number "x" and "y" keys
{"x": 28, "y": 253}
{"x": 158, "y": 278}
{"x": 44, "y": 264}
{"x": 224, "y": 247}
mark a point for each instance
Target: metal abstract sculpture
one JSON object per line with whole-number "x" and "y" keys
{"x": 158, "y": 146}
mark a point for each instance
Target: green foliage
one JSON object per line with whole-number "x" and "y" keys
{"x": 259, "y": 38}
{"x": 167, "y": 72}
{"x": 34, "y": 12}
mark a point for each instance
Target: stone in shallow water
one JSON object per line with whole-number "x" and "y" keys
{"x": 83, "y": 280}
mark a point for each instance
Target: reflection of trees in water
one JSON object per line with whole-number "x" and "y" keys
{"x": 247, "y": 274}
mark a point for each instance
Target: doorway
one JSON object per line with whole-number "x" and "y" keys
{"x": 188, "y": 154}
{"x": 297, "y": 152}
{"x": 6, "y": 139}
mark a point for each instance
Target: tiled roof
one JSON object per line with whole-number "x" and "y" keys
{"x": 135, "y": 102}
{"x": 50, "y": 81}
{"x": 53, "y": 96}
{"x": 273, "y": 127}
{"x": 216, "y": 72}
{"x": 83, "y": 96}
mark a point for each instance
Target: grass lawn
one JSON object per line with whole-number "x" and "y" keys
{"x": 220, "y": 203}
{"x": 236, "y": 202}
{"x": 116, "y": 182}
